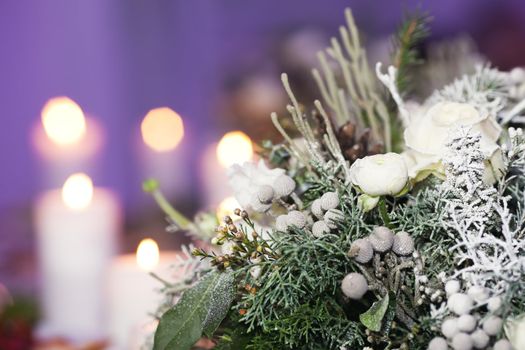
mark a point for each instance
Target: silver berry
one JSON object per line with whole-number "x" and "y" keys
{"x": 361, "y": 250}
{"x": 381, "y": 239}
{"x": 403, "y": 244}
{"x": 329, "y": 200}
{"x": 320, "y": 228}
{"x": 354, "y": 285}
{"x": 283, "y": 186}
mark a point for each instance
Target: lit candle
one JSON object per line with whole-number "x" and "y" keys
{"x": 77, "y": 229}
{"x": 162, "y": 131}
{"x": 134, "y": 293}
{"x": 66, "y": 140}
{"x": 235, "y": 147}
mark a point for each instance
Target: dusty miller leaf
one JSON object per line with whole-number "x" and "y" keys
{"x": 199, "y": 311}
{"x": 373, "y": 317}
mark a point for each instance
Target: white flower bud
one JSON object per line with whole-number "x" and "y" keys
{"x": 479, "y": 294}
{"x": 460, "y": 303}
{"x": 381, "y": 238}
{"x": 403, "y": 244}
{"x": 452, "y": 287}
{"x": 494, "y": 304}
{"x": 265, "y": 194}
{"x": 296, "y": 218}
{"x": 480, "y": 339}
{"x": 329, "y": 200}
{"x": 354, "y": 285}
{"x": 361, "y": 250}
{"x": 320, "y": 228}
{"x": 449, "y": 327}
{"x": 366, "y": 202}
{"x": 502, "y": 344}
{"x": 316, "y": 209}
{"x": 437, "y": 343}
{"x": 492, "y": 325}
{"x": 283, "y": 186}
{"x": 461, "y": 341}
{"x": 466, "y": 323}
{"x": 380, "y": 174}
{"x": 332, "y": 217}
{"x": 281, "y": 223}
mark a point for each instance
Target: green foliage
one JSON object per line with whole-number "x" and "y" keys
{"x": 373, "y": 317}
{"x": 410, "y": 34}
{"x": 199, "y": 312}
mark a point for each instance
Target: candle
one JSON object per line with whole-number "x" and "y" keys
{"x": 77, "y": 230}
{"x": 134, "y": 293}
{"x": 162, "y": 131}
{"x": 235, "y": 147}
{"x": 66, "y": 140}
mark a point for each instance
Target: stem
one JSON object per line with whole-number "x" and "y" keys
{"x": 161, "y": 280}
{"x": 166, "y": 207}
{"x": 384, "y": 213}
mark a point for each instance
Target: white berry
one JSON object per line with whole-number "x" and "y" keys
{"x": 354, "y": 285}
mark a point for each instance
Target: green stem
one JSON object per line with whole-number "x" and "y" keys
{"x": 175, "y": 215}
{"x": 384, "y": 213}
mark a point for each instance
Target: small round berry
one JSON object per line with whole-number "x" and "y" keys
{"x": 452, "y": 287}
{"x": 354, "y": 285}
{"x": 437, "y": 343}
{"x": 494, "y": 304}
{"x": 284, "y": 185}
{"x": 381, "y": 239}
{"x": 502, "y": 344}
{"x": 480, "y": 339}
{"x": 403, "y": 244}
{"x": 297, "y": 219}
{"x": 462, "y": 341}
{"x": 281, "y": 223}
{"x": 449, "y": 327}
{"x": 316, "y": 209}
{"x": 492, "y": 325}
{"x": 265, "y": 194}
{"x": 460, "y": 303}
{"x": 361, "y": 250}
{"x": 477, "y": 293}
{"x": 329, "y": 200}
{"x": 259, "y": 207}
{"x": 320, "y": 228}
{"x": 466, "y": 323}
{"x": 332, "y": 217}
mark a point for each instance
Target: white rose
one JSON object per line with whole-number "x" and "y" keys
{"x": 247, "y": 179}
{"x": 515, "y": 332}
{"x": 380, "y": 174}
{"x": 427, "y": 135}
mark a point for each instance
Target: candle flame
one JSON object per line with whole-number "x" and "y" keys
{"x": 226, "y": 207}
{"x": 77, "y": 191}
{"x": 162, "y": 129}
{"x": 63, "y": 121}
{"x": 235, "y": 147}
{"x": 148, "y": 254}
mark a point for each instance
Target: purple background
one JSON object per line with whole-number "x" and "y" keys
{"x": 118, "y": 59}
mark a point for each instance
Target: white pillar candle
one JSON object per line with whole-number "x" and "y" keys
{"x": 134, "y": 293}
{"x": 77, "y": 230}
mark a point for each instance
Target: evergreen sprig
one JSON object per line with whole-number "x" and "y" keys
{"x": 413, "y": 30}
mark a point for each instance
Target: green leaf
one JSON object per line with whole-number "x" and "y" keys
{"x": 373, "y": 317}
{"x": 199, "y": 311}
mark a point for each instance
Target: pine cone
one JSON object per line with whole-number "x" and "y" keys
{"x": 355, "y": 147}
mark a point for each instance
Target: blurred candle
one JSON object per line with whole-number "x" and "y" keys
{"x": 134, "y": 293}
{"x": 235, "y": 147}
{"x": 77, "y": 229}
{"x": 66, "y": 140}
{"x": 162, "y": 131}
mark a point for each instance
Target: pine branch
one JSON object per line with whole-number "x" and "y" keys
{"x": 405, "y": 54}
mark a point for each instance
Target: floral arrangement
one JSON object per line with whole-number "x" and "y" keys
{"x": 379, "y": 223}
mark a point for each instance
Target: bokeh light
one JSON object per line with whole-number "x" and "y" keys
{"x": 235, "y": 147}
{"x": 147, "y": 254}
{"x": 77, "y": 191}
{"x": 63, "y": 121}
{"x": 162, "y": 129}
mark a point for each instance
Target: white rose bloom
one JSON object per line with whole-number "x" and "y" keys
{"x": 515, "y": 332}
{"x": 429, "y": 131}
{"x": 247, "y": 179}
{"x": 380, "y": 174}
